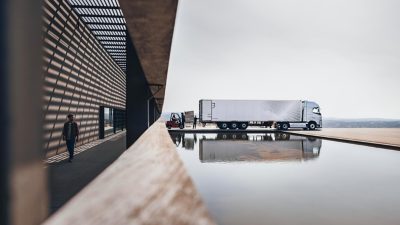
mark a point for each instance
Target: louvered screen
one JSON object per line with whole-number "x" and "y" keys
{"x": 79, "y": 76}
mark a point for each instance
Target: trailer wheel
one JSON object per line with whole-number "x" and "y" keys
{"x": 181, "y": 126}
{"x": 223, "y": 125}
{"x": 233, "y": 126}
{"x": 312, "y": 126}
{"x": 243, "y": 126}
{"x": 285, "y": 126}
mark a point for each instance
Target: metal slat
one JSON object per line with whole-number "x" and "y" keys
{"x": 110, "y": 29}
{"x": 104, "y": 16}
{"x": 104, "y": 23}
{"x": 93, "y": 7}
{"x": 112, "y": 35}
{"x": 101, "y": 16}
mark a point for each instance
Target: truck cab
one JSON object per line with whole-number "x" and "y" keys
{"x": 312, "y": 115}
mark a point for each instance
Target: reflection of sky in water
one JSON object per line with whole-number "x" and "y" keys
{"x": 342, "y": 184}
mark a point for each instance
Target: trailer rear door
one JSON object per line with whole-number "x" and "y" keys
{"x": 206, "y": 110}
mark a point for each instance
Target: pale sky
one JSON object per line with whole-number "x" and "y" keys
{"x": 343, "y": 54}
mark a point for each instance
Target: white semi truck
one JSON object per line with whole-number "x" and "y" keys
{"x": 239, "y": 114}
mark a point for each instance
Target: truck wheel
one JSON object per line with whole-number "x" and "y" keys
{"x": 233, "y": 126}
{"x": 181, "y": 126}
{"x": 285, "y": 126}
{"x": 169, "y": 127}
{"x": 312, "y": 126}
{"x": 243, "y": 126}
{"x": 223, "y": 125}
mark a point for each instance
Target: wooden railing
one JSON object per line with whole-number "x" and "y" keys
{"x": 148, "y": 184}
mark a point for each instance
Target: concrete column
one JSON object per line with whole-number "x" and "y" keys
{"x": 157, "y": 114}
{"x": 23, "y": 184}
{"x": 101, "y": 122}
{"x": 137, "y": 94}
{"x": 152, "y": 111}
{"x": 4, "y": 138}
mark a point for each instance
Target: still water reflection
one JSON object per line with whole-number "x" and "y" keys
{"x": 277, "y": 178}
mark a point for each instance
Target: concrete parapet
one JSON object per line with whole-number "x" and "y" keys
{"x": 148, "y": 184}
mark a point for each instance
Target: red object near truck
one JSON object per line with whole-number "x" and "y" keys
{"x": 174, "y": 121}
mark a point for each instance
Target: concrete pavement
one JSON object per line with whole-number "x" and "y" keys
{"x": 67, "y": 179}
{"x": 378, "y": 137}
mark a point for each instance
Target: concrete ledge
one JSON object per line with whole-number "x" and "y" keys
{"x": 375, "y": 137}
{"x": 148, "y": 184}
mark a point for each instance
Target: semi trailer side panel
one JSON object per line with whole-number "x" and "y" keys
{"x": 251, "y": 110}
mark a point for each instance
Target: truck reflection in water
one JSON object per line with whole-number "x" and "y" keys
{"x": 277, "y": 178}
{"x": 258, "y": 147}
{"x": 232, "y": 147}
{"x": 235, "y": 147}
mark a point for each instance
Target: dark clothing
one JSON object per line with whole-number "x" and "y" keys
{"x": 70, "y": 147}
{"x": 183, "y": 119}
{"x": 194, "y": 122}
{"x": 70, "y": 132}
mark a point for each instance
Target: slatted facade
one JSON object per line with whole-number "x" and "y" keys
{"x": 79, "y": 76}
{"x": 107, "y": 23}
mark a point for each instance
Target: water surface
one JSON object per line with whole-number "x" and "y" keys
{"x": 278, "y": 178}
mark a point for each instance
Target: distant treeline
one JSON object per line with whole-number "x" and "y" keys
{"x": 360, "y": 124}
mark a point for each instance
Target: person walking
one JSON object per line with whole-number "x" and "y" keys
{"x": 183, "y": 120}
{"x": 194, "y": 122}
{"x": 70, "y": 135}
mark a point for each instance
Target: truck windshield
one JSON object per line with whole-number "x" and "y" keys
{"x": 316, "y": 110}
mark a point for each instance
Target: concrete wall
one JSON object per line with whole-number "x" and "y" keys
{"x": 138, "y": 96}
{"x": 23, "y": 187}
{"x": 79, "y": 77}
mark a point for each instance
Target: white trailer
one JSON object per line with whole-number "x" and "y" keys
{"x": 239, "y": 114}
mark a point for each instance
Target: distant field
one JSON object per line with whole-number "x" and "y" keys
{"x": 361, "y": 124}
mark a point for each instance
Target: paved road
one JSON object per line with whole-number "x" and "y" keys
{"x": 379, "y": 137}
{"x": 66, "y": 179}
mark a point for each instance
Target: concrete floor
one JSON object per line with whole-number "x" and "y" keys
{"x": 379, "y": 137}
{"x": 67, "y": 179}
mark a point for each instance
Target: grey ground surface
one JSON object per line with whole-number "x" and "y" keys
{"x": 379, "y": 137}
{"x": 67, "y": 179}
